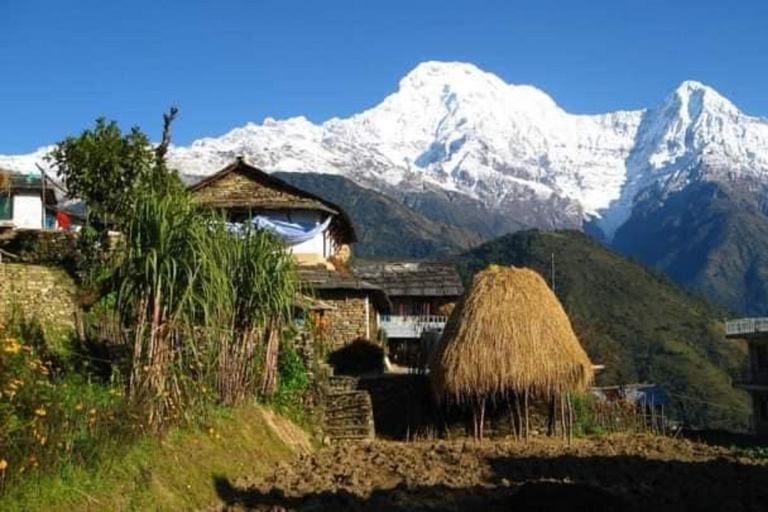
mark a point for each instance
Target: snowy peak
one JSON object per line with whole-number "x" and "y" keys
{"x": 454, "y": 127}
{"x": 698, "y": 98}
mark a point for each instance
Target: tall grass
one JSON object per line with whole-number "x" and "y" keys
{"x": 247, "y": 288}
{"x": 203, "y": 308}
{"x": 195, "y": 317}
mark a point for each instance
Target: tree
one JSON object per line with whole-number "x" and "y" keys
{"x": 103, "y": 167}
{"x": 110, "y": 170}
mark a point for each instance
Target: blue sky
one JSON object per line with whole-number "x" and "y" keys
{"x": 62, "y": 64}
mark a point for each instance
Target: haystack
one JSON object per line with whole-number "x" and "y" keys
{"x": 509, "y": 337}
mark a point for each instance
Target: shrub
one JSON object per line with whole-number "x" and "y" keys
{"x": 293, "y": 384}
{"x": 48, "y": 417}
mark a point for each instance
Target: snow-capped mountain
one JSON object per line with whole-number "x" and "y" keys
{"x": 452, "y": 128}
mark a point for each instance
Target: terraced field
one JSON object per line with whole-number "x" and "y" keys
{"x": 612, "y": 473}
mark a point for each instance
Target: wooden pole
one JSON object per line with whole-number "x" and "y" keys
{"x": 526, "y": 414}
{"x": 512, "y": 418}
{"x": 563, "y": 426}
{"x": 570, "y": 417}
{"x": 551, "y": 416}
{"x": 482, "y": 418}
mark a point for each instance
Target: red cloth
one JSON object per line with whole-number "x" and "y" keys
{"x": 64, "y": 220}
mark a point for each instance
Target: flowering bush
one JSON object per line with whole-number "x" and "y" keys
{"x": 48, "y": 417}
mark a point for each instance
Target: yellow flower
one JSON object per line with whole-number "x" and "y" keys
{"x": 3, "y": 465}
{"x": 79, "y": 407}
{"x": 92, "y": 412}
{"x": 11, "y": 347}
{"x": 40, "y": 411}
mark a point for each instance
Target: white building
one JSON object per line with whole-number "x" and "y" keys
{"x": 22, "y": 200}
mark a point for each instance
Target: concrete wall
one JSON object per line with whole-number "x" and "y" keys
{"x": 43, "y": 294}
{"x": 27, "y": 210}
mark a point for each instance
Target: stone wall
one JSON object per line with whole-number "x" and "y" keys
{"x": 347, "y": 323}
{"x": 43, "y": 294}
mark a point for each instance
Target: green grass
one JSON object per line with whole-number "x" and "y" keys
{"x": 173, "y": 474}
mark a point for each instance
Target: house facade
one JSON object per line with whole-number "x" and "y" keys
{"x": 30, "y": 202}
{"x": 422, "y": 294}
{"x": 755, "y": 380}
{"x": 25, "y": 203}
{"x": 315, "y": 230}
{"x": 319, "y": 235}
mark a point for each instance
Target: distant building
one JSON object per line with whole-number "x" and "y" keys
{"x": 422, "y": 293}
{"x": 25, "y": 203}
{"x": 317, "y": 232}
{"x": 755, "y": 332}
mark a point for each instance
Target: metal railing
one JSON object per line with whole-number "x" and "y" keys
{"x": 745, "y": 326}
{"x": 411, "y": 326}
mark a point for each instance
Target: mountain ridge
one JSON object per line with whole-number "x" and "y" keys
{"x": 463, "y": 148}
{"x": 454, "y": 127}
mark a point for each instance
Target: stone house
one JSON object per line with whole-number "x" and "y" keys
{"x": 318, "y": 233}
{"x": 422, "y": 293}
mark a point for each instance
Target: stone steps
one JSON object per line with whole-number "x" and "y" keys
{"x": 348, "y": 411}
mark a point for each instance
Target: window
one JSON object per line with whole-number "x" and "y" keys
{"x": 6, "y": 212}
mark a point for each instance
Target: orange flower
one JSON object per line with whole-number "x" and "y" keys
{"x": 3, "y": 465}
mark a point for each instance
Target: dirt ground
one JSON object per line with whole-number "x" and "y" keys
{"x": 614, "y": 473}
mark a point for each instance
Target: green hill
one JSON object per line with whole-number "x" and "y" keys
{"x": 639, "y": 324}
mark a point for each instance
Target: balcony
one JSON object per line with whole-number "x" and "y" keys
{"x": 746, "y": 327}
{"x": 411, "y": 326}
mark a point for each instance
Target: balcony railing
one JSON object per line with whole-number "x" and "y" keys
{"x": 746, "y": 327}
{"x": 411, "y": 326}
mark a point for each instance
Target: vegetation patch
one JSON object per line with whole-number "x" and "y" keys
{"x": 175, "y": 473}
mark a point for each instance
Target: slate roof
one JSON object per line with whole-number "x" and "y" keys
{"x": 319, "y": 277}
{"x": 412, "y": 278}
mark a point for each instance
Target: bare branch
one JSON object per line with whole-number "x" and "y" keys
{"x": 168, "y": 119}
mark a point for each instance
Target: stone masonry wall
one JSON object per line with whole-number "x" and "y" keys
{"x": 44, "y": 294}
{"x": 346, "y": 323}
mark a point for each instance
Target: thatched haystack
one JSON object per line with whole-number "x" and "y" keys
{"x": 509, "y": 338}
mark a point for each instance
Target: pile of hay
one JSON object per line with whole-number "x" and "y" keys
{"x": 508, "y": 335}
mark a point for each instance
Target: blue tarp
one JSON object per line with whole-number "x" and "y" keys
{"x": 292, "y": 233}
